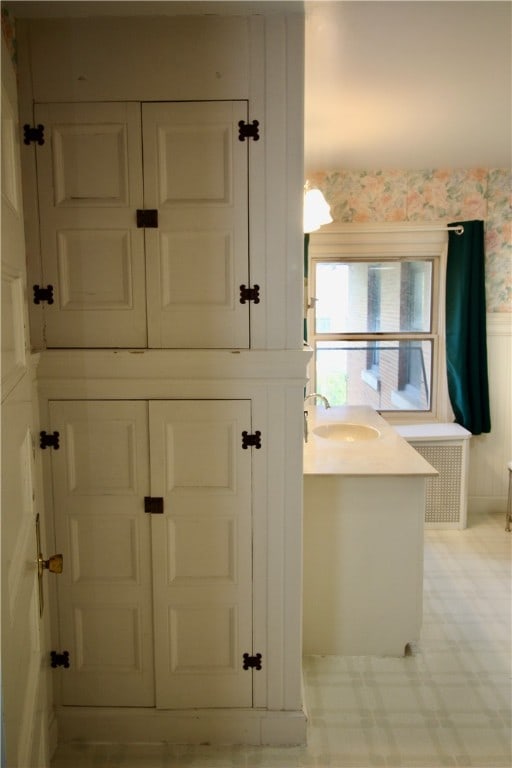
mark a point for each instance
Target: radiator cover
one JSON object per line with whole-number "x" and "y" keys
{"x": 446, "y": 494}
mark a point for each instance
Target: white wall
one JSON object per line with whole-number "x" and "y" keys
{"x": 490, "y": 453}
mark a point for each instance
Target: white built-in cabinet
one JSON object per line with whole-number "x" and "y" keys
{"x": 173, "y": 246}
{"x": 155, "y": 602}
{"x": 144, "y": 224}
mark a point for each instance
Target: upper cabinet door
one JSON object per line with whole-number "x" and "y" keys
{"x": 97, "y": 253}
{"x": 195, "y": 175}
{"x": 89, "y": 174}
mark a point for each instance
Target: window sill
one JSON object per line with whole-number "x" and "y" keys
{"x": 371, "y": 379}
{"x": 406, "y": 400}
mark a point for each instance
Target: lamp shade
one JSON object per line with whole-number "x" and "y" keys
{"x": 317, "y": 211}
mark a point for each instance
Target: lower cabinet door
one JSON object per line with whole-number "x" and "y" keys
{"x": 202, "y": 559}
{"x": 100, "y": 478}
{"x": 155, "y": 599}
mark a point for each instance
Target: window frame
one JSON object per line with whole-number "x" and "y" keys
{"x": 384, "y": 243}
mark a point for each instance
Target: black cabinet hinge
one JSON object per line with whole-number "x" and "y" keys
{"x": 153, "y": 505}
{"x": 33, "y": 134}
{"x": 147, "y": 218}
{"x": 59, "y": 659}
{"x": 252, "y": 662}
{"x": 49, "y": 441}
{"x": 43, "y": 294}
{"x": 248, "y": 130}
{"x": 254, "y": 440}
{"x": 249, "y": 294}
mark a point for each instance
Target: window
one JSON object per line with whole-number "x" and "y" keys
{"x": 375, "y": 319}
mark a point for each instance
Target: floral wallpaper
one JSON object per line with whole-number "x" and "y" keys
{"x": 441, "y": 194}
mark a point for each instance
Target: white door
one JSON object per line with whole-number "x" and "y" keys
{"x": 174, "y": 612}
{"x": 89, "y": 174}
{"x": 195, "y": 175}
{"x": 24, "y": 653}
{"x": 100, "y": 478}
{"x": 202, "y": 553}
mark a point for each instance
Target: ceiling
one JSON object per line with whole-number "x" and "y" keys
{"x": 408, "y": 84}
{"x": 388, "y": 83}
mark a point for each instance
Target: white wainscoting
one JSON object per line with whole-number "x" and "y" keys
{"x": 490, "y": 453}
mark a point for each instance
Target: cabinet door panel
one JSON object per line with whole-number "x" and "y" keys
{"x": 195, "y": 174}
{"x": 202, "y": 554}
{"x": 100, "y": 478}
{"x": 90, "y": 185}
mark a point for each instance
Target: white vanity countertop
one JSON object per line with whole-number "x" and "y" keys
{"x": 388, "y": 454}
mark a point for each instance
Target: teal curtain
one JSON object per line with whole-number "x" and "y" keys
{"x": 466, "y": 333}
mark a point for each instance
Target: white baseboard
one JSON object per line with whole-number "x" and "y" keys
{"x": 486, "y": 505}
{"x": 444, "y": 526}
{"x": 140, "y": 725}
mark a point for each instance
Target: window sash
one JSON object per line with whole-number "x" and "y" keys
{"x": 396, "y": 374}
{"x": 373, "y": 295}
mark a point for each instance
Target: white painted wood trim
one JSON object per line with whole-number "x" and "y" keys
{"x": 258, "y": 182}
{"x": 293, "y": 548}
{"x": 253, "y": 727}
{"x": 490, "y": 453}
{"x": 284, "y": 185}
{"x": 84, "y": 367}
{"x": 499, "y": 324}
{"x": 76, "y": 58}
{"x": 295, "y": 174}
{"x": 30, "y": 201}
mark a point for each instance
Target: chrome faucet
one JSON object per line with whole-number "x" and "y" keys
{"x": 320, "y": 397}
{"x": 326, "y": 405}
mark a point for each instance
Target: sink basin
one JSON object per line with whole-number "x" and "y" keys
{"x": 346, "y": 432}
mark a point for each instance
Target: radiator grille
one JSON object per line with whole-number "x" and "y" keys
{"x": 443, "y": 492}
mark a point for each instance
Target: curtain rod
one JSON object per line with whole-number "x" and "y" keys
{"x": 457, "y": 228}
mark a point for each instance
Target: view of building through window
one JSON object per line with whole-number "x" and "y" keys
{"x": 373, "y": 331}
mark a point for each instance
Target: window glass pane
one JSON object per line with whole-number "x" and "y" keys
{"x": 373, "y": 296}
{"x": 387, "y": 375}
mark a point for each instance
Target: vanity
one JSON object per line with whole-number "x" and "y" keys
{"x": 364, "y": 507}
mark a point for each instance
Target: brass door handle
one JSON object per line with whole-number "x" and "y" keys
{"x": 54, "y": 564}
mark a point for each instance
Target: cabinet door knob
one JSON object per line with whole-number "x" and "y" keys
{"x": 54, "y": 564}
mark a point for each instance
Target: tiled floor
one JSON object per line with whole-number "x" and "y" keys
{"x": 446, "y": 704}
